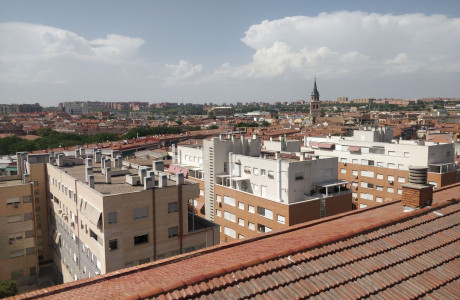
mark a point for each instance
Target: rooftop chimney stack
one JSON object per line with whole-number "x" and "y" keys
{"x": 158, "y": 165}
{"x": 417, "y": 193}
{"x": 26, "y": 178}
{"x": 179, "y": 178}
{"x": 162, "y": 180}
{"x": 88, "y": 172}
{"x": 89, "y": 162}
{"x": 98, "y": 156}
{"x": 277, "y": 155}
{"x": 108, "y": 175}
{"x": 149, "y": 183}
{"x": 91, "y": 181}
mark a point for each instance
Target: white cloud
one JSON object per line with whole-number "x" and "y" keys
{"x": 182, "y": 73}
{"x": 42, "y": 54}
{"x": 345, "y": 42}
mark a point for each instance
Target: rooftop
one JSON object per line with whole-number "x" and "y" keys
{"x": 10, "y": 182}
{"x": 380, "y": 251}
{"x": 118, "y": 183}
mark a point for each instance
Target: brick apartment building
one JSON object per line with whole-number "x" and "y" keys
{"x": 377, "y": 166}
{"x": 248, "y": 190}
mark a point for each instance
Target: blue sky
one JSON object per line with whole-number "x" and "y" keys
{"x": 227, "y": 51}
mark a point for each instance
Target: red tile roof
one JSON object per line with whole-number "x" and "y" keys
{"x": 376, "y": 252}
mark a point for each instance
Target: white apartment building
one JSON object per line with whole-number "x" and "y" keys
{"x": 377, "y": 165}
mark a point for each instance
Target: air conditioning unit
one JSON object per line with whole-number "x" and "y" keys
{"x": 356, "y": 176}
{"x": 355, "y": 198}
{"x": 16, "y": 205}
{"x": 66, "y": 217}
{"x": 344, "y": 163}
{"x": 391, "y": 182}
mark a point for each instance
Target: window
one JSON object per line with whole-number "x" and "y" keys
{"x": 13, "y": 201}
{"x": 379, "y": 188}
{"x": 299, "y": 176}
{"x": 265, "y": 212}
{"x": 390, "y": 190}
{"x": 113, "y": 244}
{"x": 401, "y": 179}
{"x": 112, "y": 216}
{"x": 343, "y": 160}
{"x": 378, "y": 199}
{"x": 256, "y": 171}
{"x": 367, "y": 185}
{"x": 240, "y": 222}
{"x": 262, "y": 228}
{"x": 379, "y": 176}
{"x": 230, "y": 232}
{"x": 367, "y": 173}
{"x": 380, "y": 164}
{"x": 241, "y": 205}
{"x": 255, "y": 189}
{"x": 141, "y": 239}
{"x": 26, "y": 199}
{"x": 173, "y": 231}
{"x": 354, "y": 173}
{"x": 262, "y": 172}
{"x": 367, "y": 196}
{"x": 229, "y": 216}
{"x": 280, "y": 219}
{"x": 251, "y": 209}
{"x": 391, "y": 166}
{"x": 140, "y": 213}
{"x": 93, "y": 235}
{"x": 400, "y": 167}
{"x": 29, "y": 233}
{"x": 251, "y": 226}
{"x": 364, "y": 162}
{"x": 28, "y": 216}
{"x": 391, "y": 178}
{"x": 201, "y": 193}
{"x": 229, "y": 201}
{"x": 247, "y": 170}
{"x": 240, "y": 236}
{"x": 219, "y": 200}
{"x": 391, "y": 153}
{"x": 354, "y": 161}
{"x": 15, "y": 218}
{"x": 218, "y": 213}
{"x": 263, "y": 190}
{"x": 172, "y": 207}
{"x": 399, "y": 192}
{"x": 343, "y": 171}
{"x": 406, "y": 154}
{"x": 271, "y": 174}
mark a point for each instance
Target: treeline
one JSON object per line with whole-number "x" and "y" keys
{"x": 52, "y": 139}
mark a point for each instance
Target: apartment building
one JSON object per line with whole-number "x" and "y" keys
{"x": 18, "y": 234}
{"x": 105, "y": 214}
{"x": 249, "y": 190}
{"x": 377, "y": 166}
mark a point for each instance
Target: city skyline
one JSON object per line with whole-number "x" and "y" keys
{"x": 203, "y": 51}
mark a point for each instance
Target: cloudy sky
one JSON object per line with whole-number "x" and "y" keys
{"x": 227, "y": 51}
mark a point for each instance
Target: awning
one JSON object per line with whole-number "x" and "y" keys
{"x": 326, "y": 146}
{"x": 93, "y": 214}
{"x": 354, "y": 148}
{"x": 199, "y": 205}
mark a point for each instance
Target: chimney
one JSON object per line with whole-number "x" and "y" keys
{"x": 82, "y": 151}
{"x": 88, "y": 171}
{"x": 60, "y": 160}
{"x": 98, "y": 156}
{"x": 162, "y": 180}
{"x": 108, "y": 175}
{"x": 158, "y": 165}
{"x": 149, "y": 183}
{"x": 91, "y": 181}
{"x": 179, "y": 178}
{"x": 77, "y": 152}
{"x": 277, "y": 155}
{"x": 142, "y": 174}
{"x": 89, "y": 162}
{"x": 26, "y": 178}
{"x": 416, "y": 193}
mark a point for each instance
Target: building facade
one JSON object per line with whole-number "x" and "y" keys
{"x": 248, "y": 190}
{"x": 377, "y": 166}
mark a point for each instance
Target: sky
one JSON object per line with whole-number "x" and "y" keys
{"x": 227, "y": 51}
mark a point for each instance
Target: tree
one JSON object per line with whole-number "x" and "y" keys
{"x": 44, "y": 131}
{"x": 8, "y": 288}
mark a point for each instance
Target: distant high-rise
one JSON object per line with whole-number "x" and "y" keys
{"x": 315, "y": 104}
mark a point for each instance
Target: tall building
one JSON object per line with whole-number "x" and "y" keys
{"x": 315, "y": 104}
{"x": 249, "y": 190}
{"x": 18, "y": 231}
{"x": 94, "y": 213}
{"x": 377, "y": 166}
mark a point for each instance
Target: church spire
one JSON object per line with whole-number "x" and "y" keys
{"x": 315, "y": 90}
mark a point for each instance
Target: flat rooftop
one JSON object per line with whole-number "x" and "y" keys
{"x": 118, "y": 185}
{"x": 10, "y": 182}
